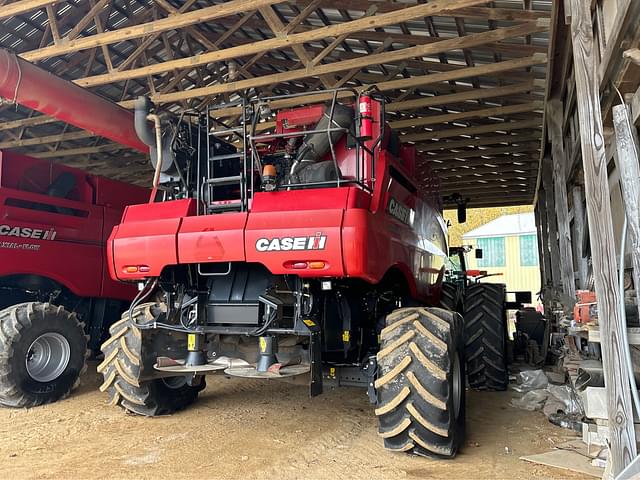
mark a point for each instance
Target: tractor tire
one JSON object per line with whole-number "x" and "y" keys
{"x": 485, "y": 325}
{"x": 43, "y": 352}
{"x": 123, "y": 356}
{"x": 451, "y": 297}
{"x": 420, "y": 383}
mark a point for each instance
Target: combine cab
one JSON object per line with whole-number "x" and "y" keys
{"x": 302, "y": 249}
{"x": 56, "y": 296}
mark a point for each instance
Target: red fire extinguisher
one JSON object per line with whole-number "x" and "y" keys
{"x": 366, "y": 118}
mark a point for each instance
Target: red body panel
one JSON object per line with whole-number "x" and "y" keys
{"x": 62, "y": 239}
{"x": 344, "y": 231}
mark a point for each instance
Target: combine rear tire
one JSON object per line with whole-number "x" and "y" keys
{"x": 43, "y": 349}
{"x": 123, "y": 356}
{"x": 485, "y": 325}
{"x": 420, "y": 384}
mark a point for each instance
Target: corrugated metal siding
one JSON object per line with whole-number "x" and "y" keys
{"x": 514, "y": 275}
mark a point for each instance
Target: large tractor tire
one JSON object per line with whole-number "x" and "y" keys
{"x": 43, "y": 352}
{"x": 451, "y": 297}
{"x": 420, "y": 384}
{"x": 123, "y": 357}
{"x": 485, "y": 326}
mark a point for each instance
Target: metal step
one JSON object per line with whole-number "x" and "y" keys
{"x": 226, "y": 131}
{"x": 220, "y": 181}
{"x": 227, "y": 156}
{"x": 225, "y": 207}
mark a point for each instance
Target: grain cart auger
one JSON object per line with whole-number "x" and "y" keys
{"x": 300, "y": 246}
{"x": 56, "y": 297}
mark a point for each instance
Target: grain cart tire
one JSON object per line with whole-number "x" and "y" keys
{"x": 121, "y": 368}
{"x": 43, "y": 352}
{"x": 485, "y": 326}
{"x": 420, "y": 383}
{"x": 451, "y": 297}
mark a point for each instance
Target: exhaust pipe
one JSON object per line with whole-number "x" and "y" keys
{"x": 26, "y": 84}
{"x": 151, "y": 134}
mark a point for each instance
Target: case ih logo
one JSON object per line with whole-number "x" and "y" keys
{"x": 400, "y": 212}
{"x": 316, "y": 242}
{"x": 27, "y": 232}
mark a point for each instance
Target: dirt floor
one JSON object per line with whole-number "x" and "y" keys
{"x": 263, "y": 430}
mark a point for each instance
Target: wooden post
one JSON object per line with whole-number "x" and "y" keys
{"x": 578, "y": 236}
{"x": 627, "y": 162}
{"x": 541, "y": 253}
{"x": 552, "y": 222}
{"x": 543, "y": 239}
{"x": 622, "y": 435}
{"x": 554, "y": 120}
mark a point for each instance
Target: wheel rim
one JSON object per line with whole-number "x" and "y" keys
{"x": 48, "y": 357}
{"x": 457, "y": 386}
{"x": 175, "y": 382}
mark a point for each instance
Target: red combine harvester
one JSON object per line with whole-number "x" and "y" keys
{"x": 309, "y": 253}
{"x": 56, "y": 297}
{"x": 54, "y": 284}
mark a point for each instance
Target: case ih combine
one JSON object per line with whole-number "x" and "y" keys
{"x": 57, "y": 299}
{"x": 303, "y": 250}
{"x": 307, "y": 253}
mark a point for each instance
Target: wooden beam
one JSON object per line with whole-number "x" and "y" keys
{"x": 499, "y": 161}
{"x": 416, "y": 81}
{"x": 579, "y": 224}
{"x": 490, "y": 189}
{"x": 53, "y": 24}
{"x": 543, "y": 233}
{"x": 496, "y": 179}
{"x": 24, "y": 6}
{"x": 387, "y": 57}
{"x": 452, "y": 117}
{"x": 627, "y": 164}
{"x": 474, "y": 94}
{"x": 278, "y": 28}
{"x": 622, "y": 449}
{"x": 86, "y": 20}
{"x": 488, "y": 13}
{"x": 63, "y": 137}
{"x": 475, "y": 142}
{"x": 172, "y": 22}
{"x": 72, "y": 152}
{"x": 554, "y": 120}
{"x": 283, "y": 41}
{"x": 27, "y": 122}
{"x": 552, "y": 221}
{"x": 456, "y": 132}
{"x": 487, "y": 152}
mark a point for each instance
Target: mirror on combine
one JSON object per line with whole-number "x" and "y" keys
{"x": 478, "y": 253}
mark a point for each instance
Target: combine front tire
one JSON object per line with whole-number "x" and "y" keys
{"x": 43, "y": 349}
{"x": 485, "y": 325}
{"x": 420, "y": 384}
{"x": 123, "y": 357}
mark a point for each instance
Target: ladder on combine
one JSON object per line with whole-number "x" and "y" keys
{"x": 224, "y": 184}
